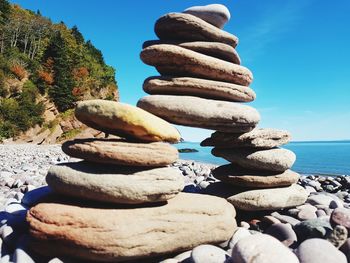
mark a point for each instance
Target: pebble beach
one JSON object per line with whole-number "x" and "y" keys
{"x": 324, "y": 216}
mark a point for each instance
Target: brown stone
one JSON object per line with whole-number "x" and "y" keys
{"x": 264, "y": 138}
{"x": 203, "y": 88}
{"x": 175, "y": 26}
{"x": 121, "y": 234}
{"x": 202, "y": 113}
{"x": 173, "y": 60}
{"x": 125, "y": 120}
{"x": 121, "y": 152}
{"x": 239, "y": 176}
{"x": 115, "y": 184}
{"x": 276, "y": 159}
{"x": 212, "y": 49}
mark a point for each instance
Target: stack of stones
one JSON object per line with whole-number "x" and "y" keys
{"x": 123, "y": 201}
{"x": 201, "y": 85}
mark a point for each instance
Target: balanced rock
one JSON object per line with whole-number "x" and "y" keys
{"x": 121, "y": 152}
{"x": 203, "y": 88}
{"x": 239, "y": 176}
{"x": 215, "y": 14}
{"x": 125, "y": 120}
{"x": 269, "y": 199}
{"x": 262, "y": 248}
{"x": 212, "y": 49}
{"x": 276, "y": 159}
{"x": 178, "y": 61}
{"x": 114, "y": 235}
{"x": 202, "y": 113}
{"x": 264, "y": 138}
{"x": 174, "y": 26}
{"x": 114, "y": 184}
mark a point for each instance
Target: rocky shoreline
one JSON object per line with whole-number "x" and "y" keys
{"x": 325, "y": 214}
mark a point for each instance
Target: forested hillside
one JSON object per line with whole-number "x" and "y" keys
{"x": 45, "y": 65}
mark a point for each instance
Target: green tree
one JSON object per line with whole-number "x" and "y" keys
{"x": 77, "y": 35}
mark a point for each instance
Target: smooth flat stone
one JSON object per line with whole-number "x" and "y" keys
{"x": 173, "y": 60}
{"x": 239, "y": 176}
{"x": 264, "y": 138}
{"x": 212, "y": 49}
{"x": 276, "y": 159}
{"x": 120, "y": 234}
{"x": 115, "y": 184}
{"x": 316, "y": 250}
{"x": 269, "y": 199}
{"x": 201, "y": 113}
{"x": 125, "y": 120}
{"x": 216, "y": 14}
{"x": 175, "y": 26}
{"x": 262, "y": 248}
{"x": 203, "y": 88}
{"x": 121, "y": 152}
{"x": 208, "y": 254}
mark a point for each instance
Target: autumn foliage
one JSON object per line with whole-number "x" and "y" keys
{"x": 19, "y": 71}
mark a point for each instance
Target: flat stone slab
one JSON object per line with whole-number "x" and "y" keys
{"x": 120, "y": 234}
{"x": 239, "y": 176}
{"x": 125, "y": 120}
{"x": 202, "y": 113}
{"x": 121, "y": 152}
{"x": 175, "y": 26}
{"x": 269, "y": 199}
{"x": 276, "y": 159}
{"x": 203, "y": 88}
{"x": 212, "y": 49}
{"x": 264, "y": 138}
{"x": 216, "y": 14}
{"x": 115, "y": 184}
{"x": 174, "y": 60}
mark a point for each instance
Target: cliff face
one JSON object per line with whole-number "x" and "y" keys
{"x": 45, "y": 68}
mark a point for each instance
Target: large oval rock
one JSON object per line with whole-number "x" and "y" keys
{"x": 203, "y": 88}
{"x": 202, "y": 113}
{"x": 173, "y": 60}
{"x": 215, "y": 14}
{"x": 121, "y": 234}
{"x": 283, "y": 232}
{"x": 341, "y": 216}
{"x": 263, "y": 138}
{"x": 239, "y": 176}
{"x": 312, "y": 228}
{"x": 125, "y": 120}
{"x": 212, "y": 49}
{"x": 316, "y": 250}
{"x": 269, "y": 199}
{"x": 175, "y": 26}
{"x": 262, "y": 248}
{"x": 276, "y": 159}
{"x": 121, "y": 152}
{"x": 209, "y": 254}
{"x": 115, "y": 184}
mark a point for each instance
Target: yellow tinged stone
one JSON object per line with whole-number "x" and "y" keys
{"x": 126, "y": 121}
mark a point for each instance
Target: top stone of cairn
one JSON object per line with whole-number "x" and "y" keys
{"x": 125, "y": 121}
{"x": 216, "y": 14}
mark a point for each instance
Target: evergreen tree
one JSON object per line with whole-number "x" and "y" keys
{"x": 61, "y": 91}
{"x": 77, "y": 35}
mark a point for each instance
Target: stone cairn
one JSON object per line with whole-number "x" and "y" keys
{"x": 123, "y": 201}
{"x": 201, "y": 85}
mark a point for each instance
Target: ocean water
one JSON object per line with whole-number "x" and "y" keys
{"x": 328, "y": 158}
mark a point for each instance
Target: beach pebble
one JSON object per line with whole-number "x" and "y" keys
{"x": 341, "y": 216}
{"x": 338, "y": 236}
{"x": 313, "y": 228}
{"x": 345, "y": 248}
{"x": 238, "y": 235}
{"x": 215, "y": 14}
{"x": 208, "y": 254}
{"x": 283, "y": 232}
{"x": 285, "y": 219}
{"x": 316, "y": 250}
{"x": 262, "y": 248}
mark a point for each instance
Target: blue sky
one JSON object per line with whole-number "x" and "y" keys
{"x": 298, "y": 51}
